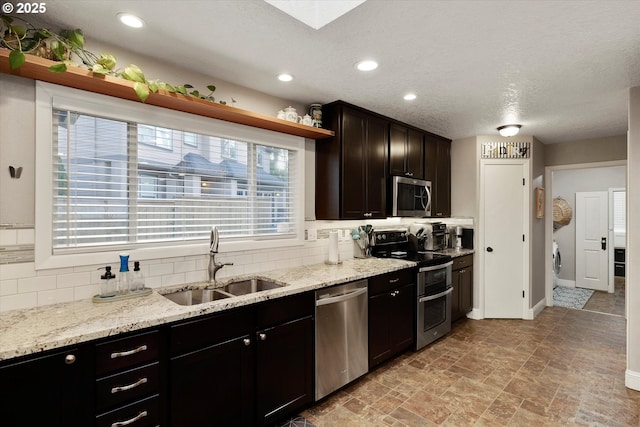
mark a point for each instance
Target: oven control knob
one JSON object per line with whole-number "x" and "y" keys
{"x": 384, "y": 237}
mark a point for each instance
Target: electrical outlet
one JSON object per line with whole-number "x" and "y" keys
{"x": 346, "y": 235}
{"x": 312, "y": 235}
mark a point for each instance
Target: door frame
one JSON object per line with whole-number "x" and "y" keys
{"x": 611, "y": 237}
{"x": 548, "y": 215}
{"x": 526, "y": 266}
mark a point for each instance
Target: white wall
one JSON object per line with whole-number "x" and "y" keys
{"x": 632, "y": 378}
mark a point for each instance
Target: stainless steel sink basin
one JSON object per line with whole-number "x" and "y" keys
{"x": 196, "y": 296}
{"x": 244, "y": 287}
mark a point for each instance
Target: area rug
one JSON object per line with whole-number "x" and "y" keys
{"x": 571, "y": 297}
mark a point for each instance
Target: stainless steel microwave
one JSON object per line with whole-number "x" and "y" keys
{"x": 410, "y": 197}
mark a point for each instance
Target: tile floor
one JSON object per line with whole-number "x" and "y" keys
{"x": 566, "y": 367}
{"x": 605, "y": 302}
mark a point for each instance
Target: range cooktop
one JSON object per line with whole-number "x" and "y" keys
{"x": 395, "y": 244}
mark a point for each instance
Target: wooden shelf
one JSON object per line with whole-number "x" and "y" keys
{"x": 80, "y": 78}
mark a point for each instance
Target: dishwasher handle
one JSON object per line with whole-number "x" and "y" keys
{"x": 340, "y": 298}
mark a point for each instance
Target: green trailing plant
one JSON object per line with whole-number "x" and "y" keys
{"x": 22, "y": 38}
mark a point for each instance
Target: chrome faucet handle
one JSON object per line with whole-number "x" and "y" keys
{"x": 214, "y": 240}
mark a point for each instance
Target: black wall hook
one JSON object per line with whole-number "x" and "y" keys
{"x": 15, "y": 172}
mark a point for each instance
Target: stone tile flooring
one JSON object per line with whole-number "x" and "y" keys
{"x": 566, "y": 367}
{"x": 604, "y": 302}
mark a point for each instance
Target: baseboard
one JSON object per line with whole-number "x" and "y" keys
{"x": 632, "y": 380}
{"x": 532, "y": 313}
{"x": 475, "y": 314}
{"x": 567, "y": 283}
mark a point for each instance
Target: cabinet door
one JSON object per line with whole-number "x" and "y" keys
{"x": 213, "y": 386}
{"x": 284, "y": 374}
{"x": 397, "y": 149}
{"x": 443, "y": 181}
{"x": 415, "y": 154}
{"x": 466, "y": 290}
{"x": 379, "y": 328}
{"x": 403, "y": 330}
{"x": 353, "y": 164}
{"x": 376, "y": 168}
{"x": 455, "y": 295}
{"x": 52, "y": 390}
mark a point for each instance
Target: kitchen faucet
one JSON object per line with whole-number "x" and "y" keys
{"x": 214, "y": 266}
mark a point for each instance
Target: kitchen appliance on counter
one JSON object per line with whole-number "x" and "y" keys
{"x": 410, "y": 197}
{"x": 433, "y": 299}
{"x": 427, "y": 236}
{"x": 342, "y": 349}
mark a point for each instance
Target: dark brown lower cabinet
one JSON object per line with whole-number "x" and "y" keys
{"x": 462, "y": 282}
{"x": 392, "y": 303}
{"x": 48, "y": 390}
{"x": 249, "y": 367}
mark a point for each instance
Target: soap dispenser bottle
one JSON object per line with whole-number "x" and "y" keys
{"x": 108, "y": 284}
{"x": 137, "y": 282}
{"x": 124, "y": 284}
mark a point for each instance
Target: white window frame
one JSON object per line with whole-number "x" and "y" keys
{"x": 49, "y": 96}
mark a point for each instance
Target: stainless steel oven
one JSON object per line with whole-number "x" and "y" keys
{"x": 433, "y": 303}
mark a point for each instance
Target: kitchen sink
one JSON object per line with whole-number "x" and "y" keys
{"x": 196, "y": 296}
{"x": 244, "y": 287}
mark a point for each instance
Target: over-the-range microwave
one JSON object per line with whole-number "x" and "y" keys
{"x": 410, "y": 197}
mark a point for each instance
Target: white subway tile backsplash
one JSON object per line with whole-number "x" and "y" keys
{"x": 25, "y": 236}
{"x": 55, "y": 296}
{"x": 73, "y": 279}
{"x": 153, "y": 282}
{"x": 8, "y": 287}
{"x": 195, "y": 276}
{"x": 184, "y": 266}
{"x": 36, "y": 284}
{"x": 173, "y": 279}
{"x": 85, "y": 292}
{"x": 18, "y": 301}
{"x": 160, "y": 269}
{"x": 8, "y": 237}
{"x": 17, "y": 271}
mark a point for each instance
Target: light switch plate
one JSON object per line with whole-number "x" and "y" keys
{"x": 312, "y": 234}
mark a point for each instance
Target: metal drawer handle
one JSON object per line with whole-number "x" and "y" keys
{"x": 396, "y": 280}
{"x": 129, "y": 353}
{"x": 247, "y": 342}
{"x": 263, "y": 337}
{"x": 141, "y": 381}
{"x": 131, "y": 421}
{"x": 70, "y": 359}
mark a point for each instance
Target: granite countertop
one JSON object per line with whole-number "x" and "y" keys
{"x": 453, "y": 252}
{"x": 29, "y": 331}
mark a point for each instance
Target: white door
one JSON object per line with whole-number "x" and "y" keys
{"x": 592, "y": 245}
{"x": 505, "y": 206}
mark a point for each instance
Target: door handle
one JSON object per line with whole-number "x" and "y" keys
{"x": 489, "y": 249}
{"x": 603, "y": 243}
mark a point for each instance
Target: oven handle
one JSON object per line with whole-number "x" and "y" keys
{"x": 436, "y": 267}
{"x": 436, "y": 296}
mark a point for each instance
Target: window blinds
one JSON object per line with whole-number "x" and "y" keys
{"x": 119, "y": 183}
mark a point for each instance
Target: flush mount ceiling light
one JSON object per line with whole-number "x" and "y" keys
{"x": 367, "y": 65}
{"x": 410, "y": 97}
{"x": 509, "y": 130}
{"x": 315, "y": 13}
{"x": 285, "y": 77}
{"x": 130, "y": 20}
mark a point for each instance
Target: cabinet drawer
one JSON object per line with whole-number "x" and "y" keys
{"x": 127, "y": 386}
{"x": 282, "y": 310}
{"x": 462, "y": 262}
{"x": 618, "y": 255}
{"x": 200, "y": 333}
{"x": 127, "y": 352}
{"x": 389, "y": 281}
{"x": 144, "y": 413}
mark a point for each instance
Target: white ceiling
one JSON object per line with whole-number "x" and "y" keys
{"x": 562, "y": 69}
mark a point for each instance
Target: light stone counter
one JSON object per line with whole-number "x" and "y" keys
{"x": 453, "y": 252}
{"x": 34, "y": 330}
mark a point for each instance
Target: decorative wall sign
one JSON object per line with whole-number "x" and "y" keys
{"x": 506, "y": 150}
{"x": 539, "y": 202}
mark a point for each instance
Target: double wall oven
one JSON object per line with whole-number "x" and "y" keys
{"x": 433, "y": 297}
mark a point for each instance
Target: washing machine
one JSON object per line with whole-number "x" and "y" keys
{"x": 557, "y": 263}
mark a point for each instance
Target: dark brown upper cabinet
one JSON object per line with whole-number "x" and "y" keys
{"x": 406, "y": 152}
{"x": 438, "y": 171}
{"x": 351, "y": 167}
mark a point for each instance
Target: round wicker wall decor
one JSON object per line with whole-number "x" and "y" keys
{"x": 562, "y": 212}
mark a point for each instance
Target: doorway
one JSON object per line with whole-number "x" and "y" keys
{"x": 566, "y": 182}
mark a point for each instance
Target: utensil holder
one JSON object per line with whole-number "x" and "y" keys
{"x": 359, "y": 252}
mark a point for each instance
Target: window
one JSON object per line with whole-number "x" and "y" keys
{"x": 121, "y": 184}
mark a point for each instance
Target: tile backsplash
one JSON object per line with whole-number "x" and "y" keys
{"x": 21, "y": 286}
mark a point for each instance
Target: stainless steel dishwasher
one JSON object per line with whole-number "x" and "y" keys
{"x": 341, "y": 336}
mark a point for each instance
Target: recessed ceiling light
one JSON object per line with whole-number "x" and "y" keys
{"x": 285, "y": 77}
{"x": 130, "y": 20}
{"x": 410, "y": 97}
{"x": 509, "y": 130}
{"x": 367, "y": 65}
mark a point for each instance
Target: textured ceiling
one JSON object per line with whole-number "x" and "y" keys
{"x": 562, "y": 69}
